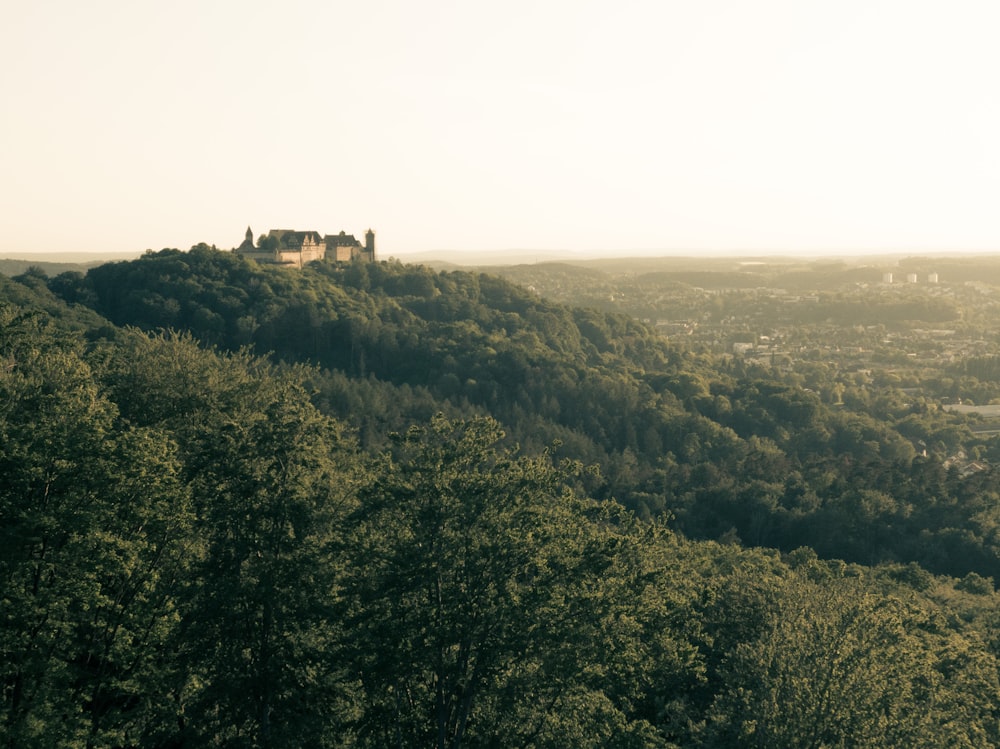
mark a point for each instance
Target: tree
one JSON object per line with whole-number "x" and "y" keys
{"x": 270, "y": 480}
{"x": 95, "y": 534}
{"x": 835, "y": 664}
{"x": 471, "y": 598}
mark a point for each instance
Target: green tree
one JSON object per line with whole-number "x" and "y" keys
{"x": 94, "y": 538}
{"x": 835, "y": 664}
{"x": 472, "y": 595}
{"x": 270, "y": 479}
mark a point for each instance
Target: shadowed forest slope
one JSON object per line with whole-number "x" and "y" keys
{"x": 192, "y": 553}
{"x": 722, "y": 449}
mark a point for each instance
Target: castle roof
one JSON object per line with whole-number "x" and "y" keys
{"x": 341, "y": 240}
{"x": 292, "y": 239}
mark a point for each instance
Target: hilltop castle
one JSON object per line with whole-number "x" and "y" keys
{"x": 296, "y": 248}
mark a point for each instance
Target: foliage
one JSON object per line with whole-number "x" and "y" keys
{"x": 835, "y": 664}
{"x": 95, "y": 539}
{"x": 342, "y": 544}
{"x": 477, "y": 620}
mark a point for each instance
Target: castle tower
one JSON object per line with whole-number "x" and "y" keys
{"x": 247, "y": 245}
{"x": 370, "y": 245}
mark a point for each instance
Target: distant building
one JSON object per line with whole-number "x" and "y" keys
{"x": 886, "y": 278}
{"x": 295, "y": 249}
{"x": 932, "y": 278}
{"x": 911, "y": 278}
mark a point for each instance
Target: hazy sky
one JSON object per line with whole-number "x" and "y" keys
{"x": 638, "y": 125}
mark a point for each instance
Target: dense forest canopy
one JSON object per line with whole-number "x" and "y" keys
{"x": 720, "y": 445}
{"x": 376, "y": 505}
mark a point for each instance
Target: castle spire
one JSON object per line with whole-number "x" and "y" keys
{"x": 247, "y": 245}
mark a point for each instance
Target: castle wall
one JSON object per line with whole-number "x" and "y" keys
{"x": 291, "y": 258}
{"x": 299, "y": 258}
{"x": 316, "y": 252}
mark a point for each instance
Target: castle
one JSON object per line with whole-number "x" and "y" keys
{"x": 296, "y": 248}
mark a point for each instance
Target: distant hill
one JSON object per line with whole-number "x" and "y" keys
{"x": 54, "y": 263}
{"x": 483, "y": 258}
{"x": 12, "y": 267}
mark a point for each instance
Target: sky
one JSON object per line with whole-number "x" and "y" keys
{"x": 639, "y": 126}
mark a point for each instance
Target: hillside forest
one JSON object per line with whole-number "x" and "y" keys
{"x": 373, "y": 505}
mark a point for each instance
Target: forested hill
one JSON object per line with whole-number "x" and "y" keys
{"x": 195, "y": 550}
{"x": 723, "y": 450}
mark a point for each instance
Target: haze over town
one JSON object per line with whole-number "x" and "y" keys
{"x": 553, "y": 126}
